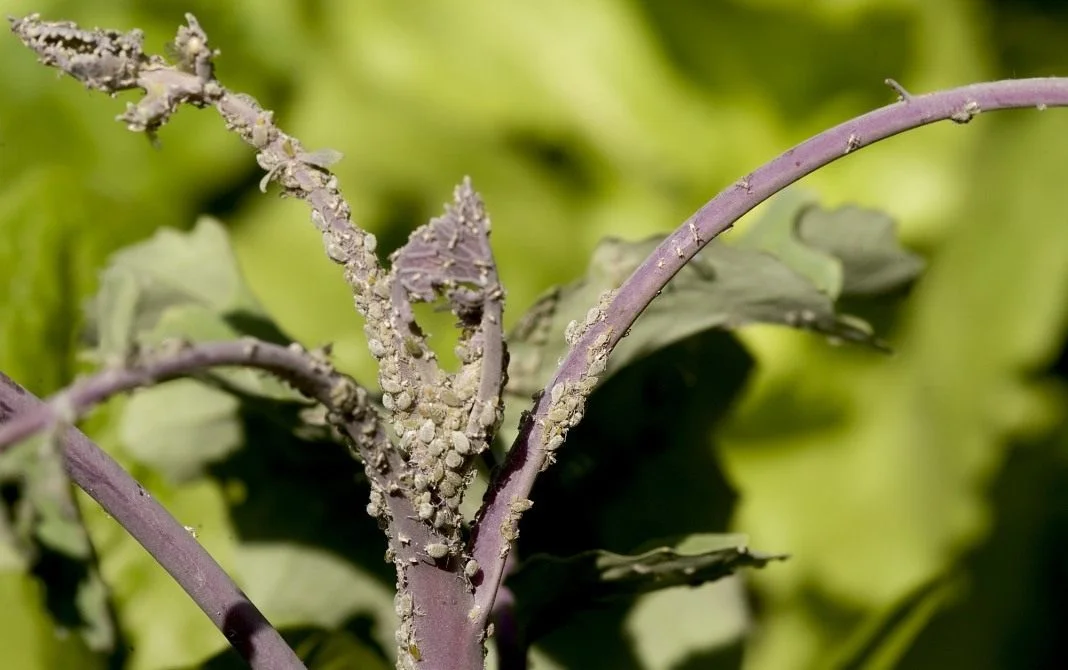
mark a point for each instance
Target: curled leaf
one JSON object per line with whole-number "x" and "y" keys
{"x": 548, "y": 587}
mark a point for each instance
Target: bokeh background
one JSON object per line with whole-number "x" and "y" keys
{"x": 923, "y": 496}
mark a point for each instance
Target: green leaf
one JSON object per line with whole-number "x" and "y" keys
{"x": 549, "y": 587}
{"x": 188, "y": 286}
{"x": 882, "y": 641}
{"x": 865, "y": 243}
{"x": 770, "y": 277}
{"x": 181, "y": 427}
{"x": 776, "y": 233}
{"x": 47, "y": 536}
{"x": 173, "y": 269}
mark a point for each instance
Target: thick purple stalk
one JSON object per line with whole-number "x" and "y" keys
{"x": 243, "y": 625}
{"x": 528, "y": 455}
{"x": 295, "y": 366}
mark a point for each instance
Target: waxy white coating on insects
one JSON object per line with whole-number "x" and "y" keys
{"x": 572, "y": 332}
{"x": 520, "y": 505}
{"x": 378, "y": 350}
{"x": 425, "y": 511}
{"x": 436, "y": 447}
{"x": 447, "y": 489}
{"x": 437, "y": 472}
{"x": 597, "y": 347}
{"x": 450, "y": 398}
{"x": 597, "y": 366}
{"x": 460, "y": 442}
{"x": 403, "y": 401}
{"x": 420, "y": 482}
{"x": 471, "y": 568}
{"x": 402, "y": 604}
{"x": 593, "y": 315}
{"x": 488, "y": 416}
{"x": 557, "y": 392}
{"x": 426, "y": 432}
{"x": 453, "y": 460}
{"x": 437, "y": 550}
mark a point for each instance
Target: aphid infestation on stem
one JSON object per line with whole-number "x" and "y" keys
{"x": 421, "y": 443}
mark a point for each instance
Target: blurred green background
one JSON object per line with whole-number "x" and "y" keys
{"x": 926, "y": 489}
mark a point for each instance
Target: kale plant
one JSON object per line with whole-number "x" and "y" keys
{"x": 450, "y": 456}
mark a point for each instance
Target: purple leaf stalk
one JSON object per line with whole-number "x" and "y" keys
{"x": 420, "y": 448}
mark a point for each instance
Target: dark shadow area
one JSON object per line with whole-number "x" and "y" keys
{"x": 1014, "y": 609}
{"x": 306, "y": 492}
{"x": 258, "y": 326}
{"x": 317, "y": 647}
{"x": 1026, "y": 37}
{"x": 640, "y": 468}
{"x": 406, "y": 213}
{"x": 559, "y": 159}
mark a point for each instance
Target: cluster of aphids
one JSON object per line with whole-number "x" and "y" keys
{"x": 568, "y": 398}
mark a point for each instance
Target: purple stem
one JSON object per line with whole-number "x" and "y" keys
{"x": 22, "y": 415}
{"x": 527, "y": 456}
{"x": 292, "y": 365}
{"x": 243, "y": 625}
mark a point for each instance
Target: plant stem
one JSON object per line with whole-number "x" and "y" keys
{"x": 294, "y": 365}
{"x": 243, "y": 625}
{"x": 528, "y": 455}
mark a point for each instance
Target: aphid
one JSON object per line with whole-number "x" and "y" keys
{"x": 426, "y": 432}
{"x": 520, "y": 505}
{"x": 598, "y": 365}
{"x": 557, "y": 392}
{"x": 488, "y": 416}
{"x": 425, "y": 511}
{"x": 413, "y": 347}
{"x": 555, "y": 442}
{"x": 593, "y": 315}
{"x": 449, "y": 397}
{"x": 471, "y": 568}
{"x": 437, "y": 447}
{"x": 437, "y": 550}
{"x": 472, "y": 615}
{"x": 571, "y": 333}
{"x": 403, "y": 400}
{"x": 336, "y": 252}
{"x": 402, "y": 604}
{"x": 420, "y": 482}
{"x": 601, "y": 341}
{"x": 559, "y": 415}
{"x": 378, "y": 350}
{"x": 453, "y": 460}
{"x": 446, "y": 489}
{"x": 460, "y": 442}
{"x": 391, "y": 385}
{"x": 437, "y": 472}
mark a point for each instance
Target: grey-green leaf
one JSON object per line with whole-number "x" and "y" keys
{"x": 864, "y": 241}
{"x": 549, "y": 587}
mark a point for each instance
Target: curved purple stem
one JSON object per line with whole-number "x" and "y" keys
{"x": 527, "y": 456}
{"x": 243, "y": 625}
